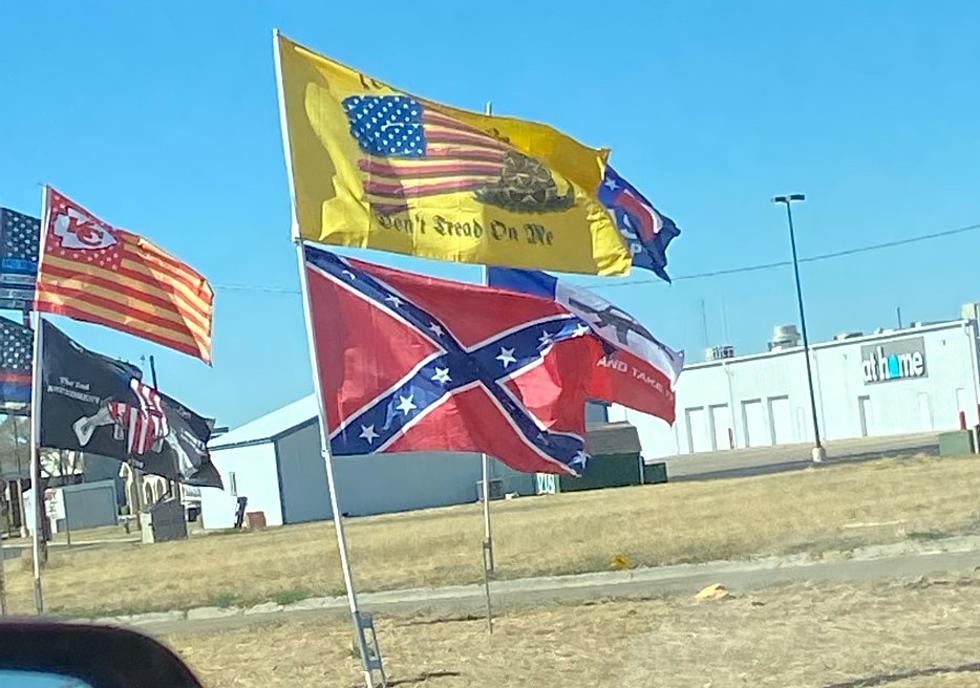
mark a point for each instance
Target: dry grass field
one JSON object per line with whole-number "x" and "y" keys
{"x": 836, "y": 507}
{"x": 894, "y": 635}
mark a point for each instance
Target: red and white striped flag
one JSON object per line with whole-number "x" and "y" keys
{"x": 92, "y": 271}
{"x": 146, "y": 424}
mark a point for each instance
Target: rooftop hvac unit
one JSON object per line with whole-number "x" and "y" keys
{"x": 496, "y": 489}
{"x": 847, "y": 335}
{"x": 784, "y": 337}
{"x": 718, "y": 353}
{"x": 970, "y": 311}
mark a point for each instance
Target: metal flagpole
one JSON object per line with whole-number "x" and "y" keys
{"x": 370, "y": 656}
{"x": 20, "y": 480}
{"x": 64, "y": 496}
{"x": 370, "y": 653}
{"x": 3, "y": 576}
{"x": 172, "y": 486}
{"x": 488, "y": 563}
{"x": 36, "y": 386}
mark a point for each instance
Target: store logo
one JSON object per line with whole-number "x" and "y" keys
{"x": 894, "y": 361}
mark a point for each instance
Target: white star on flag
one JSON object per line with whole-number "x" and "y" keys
{"x": 436, "y": 329}
{"x": 442, "y": 376}
{"x": 406, "y": 404}
{"x": 546, "y": 338}
{"x": 394, "y": 300}
{"x": 506, "y": 357}
{"x": 581, "y": 330}
{"x": 580, "y": 457}
{"x": 368, "y": 433}
{"x": 611, "y": 184}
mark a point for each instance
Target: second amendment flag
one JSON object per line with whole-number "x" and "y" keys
{"x": 375, "y": 167}
{"x": 93, "y": 403}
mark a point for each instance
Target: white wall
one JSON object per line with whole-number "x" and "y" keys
{"x": 255, "y": 477}
{"x": 778, "y": 381}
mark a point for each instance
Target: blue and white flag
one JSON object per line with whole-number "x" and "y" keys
{"x": 645, "y": 229}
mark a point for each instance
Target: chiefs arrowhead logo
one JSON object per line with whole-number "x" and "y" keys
{"x": 78, "y": 231}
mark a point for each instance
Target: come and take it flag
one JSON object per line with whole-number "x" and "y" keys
{"x": 374, "y": 167}
{"x": 647, "y": 232}
{"x": 92, "y": 271}
{"x": 16, "y": 353}
{"x": 640, "y": 372}
{"x": 93, "y": 403}
{"x": 410, "y": 363}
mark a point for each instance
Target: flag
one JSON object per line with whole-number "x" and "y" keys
{"x": 95, "y": 272}
{"x": 96, "y": 404}
{"x": 16, "y": 353}
{"x": 18, "y": 259}
{"x": 410, "y": 363}
{"x": 374, "y": 167}
{"x": 646, "y": 230}
{"x": 639, "y": 372}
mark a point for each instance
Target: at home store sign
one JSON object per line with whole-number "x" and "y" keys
{"x": 898, "y": 360}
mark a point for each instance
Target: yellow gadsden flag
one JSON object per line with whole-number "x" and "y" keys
{"x": 374, "y": 167}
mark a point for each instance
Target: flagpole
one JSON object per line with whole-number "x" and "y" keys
{"x": 370, "y": 656}
{"x": 488, "y": 563}
{"x": 36, "y": 388}
{"x": 338, "y": 519}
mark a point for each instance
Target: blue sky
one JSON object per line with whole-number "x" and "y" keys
{"x": 162, "y": 117}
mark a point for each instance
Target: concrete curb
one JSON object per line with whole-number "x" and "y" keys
{"x": 670, "y": 576}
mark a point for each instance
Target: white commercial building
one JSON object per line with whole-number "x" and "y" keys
{"x": 915, "y": 379}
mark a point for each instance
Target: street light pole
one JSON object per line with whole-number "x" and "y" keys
{"x": 817, "y": 454}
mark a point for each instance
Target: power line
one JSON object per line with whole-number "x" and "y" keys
{"x": 787, "y": 263}
{"x": 257, "y": 288}
{"x": 697, "y": 275}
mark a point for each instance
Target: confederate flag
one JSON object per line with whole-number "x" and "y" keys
{"x": 409, "y": 363}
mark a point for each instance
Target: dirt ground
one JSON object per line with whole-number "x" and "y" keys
{"x": 833, "y": 508}
{"x": 901, "y": 634}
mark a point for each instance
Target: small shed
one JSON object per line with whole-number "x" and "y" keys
{"x": 275, "y": 462}
{"x": 615, "y": 462}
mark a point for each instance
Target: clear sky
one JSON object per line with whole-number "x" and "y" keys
{"x": 162, "y": 117}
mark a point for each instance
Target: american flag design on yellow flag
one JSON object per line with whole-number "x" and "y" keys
{"x": 92, "y": 271}
{"x": 372, "y": 166}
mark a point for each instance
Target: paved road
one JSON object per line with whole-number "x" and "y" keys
{"x": 758, "y": 460}
{"x": 956, "y": 555}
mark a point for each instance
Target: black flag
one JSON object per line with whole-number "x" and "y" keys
{"x": 96, "y": 404}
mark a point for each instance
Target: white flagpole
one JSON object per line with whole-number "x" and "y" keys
{"x": 36, "y": 386}
{"x": 488, "y": 563}
{"x": 338, "y": 519}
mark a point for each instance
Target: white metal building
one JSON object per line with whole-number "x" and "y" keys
{"x": 916, "y": 379}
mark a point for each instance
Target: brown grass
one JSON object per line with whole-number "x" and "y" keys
{"x": 815, "y": 510}
{"x": 832, "y": 635}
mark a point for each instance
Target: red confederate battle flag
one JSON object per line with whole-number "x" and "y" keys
{"x": 410, "y": 363}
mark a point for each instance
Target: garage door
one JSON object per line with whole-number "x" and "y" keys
{"x": 720, "y": 425}
{"x": 754, "y": 421}
{"x": 781, "y": 420}
{"x": 697, "y": 430}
